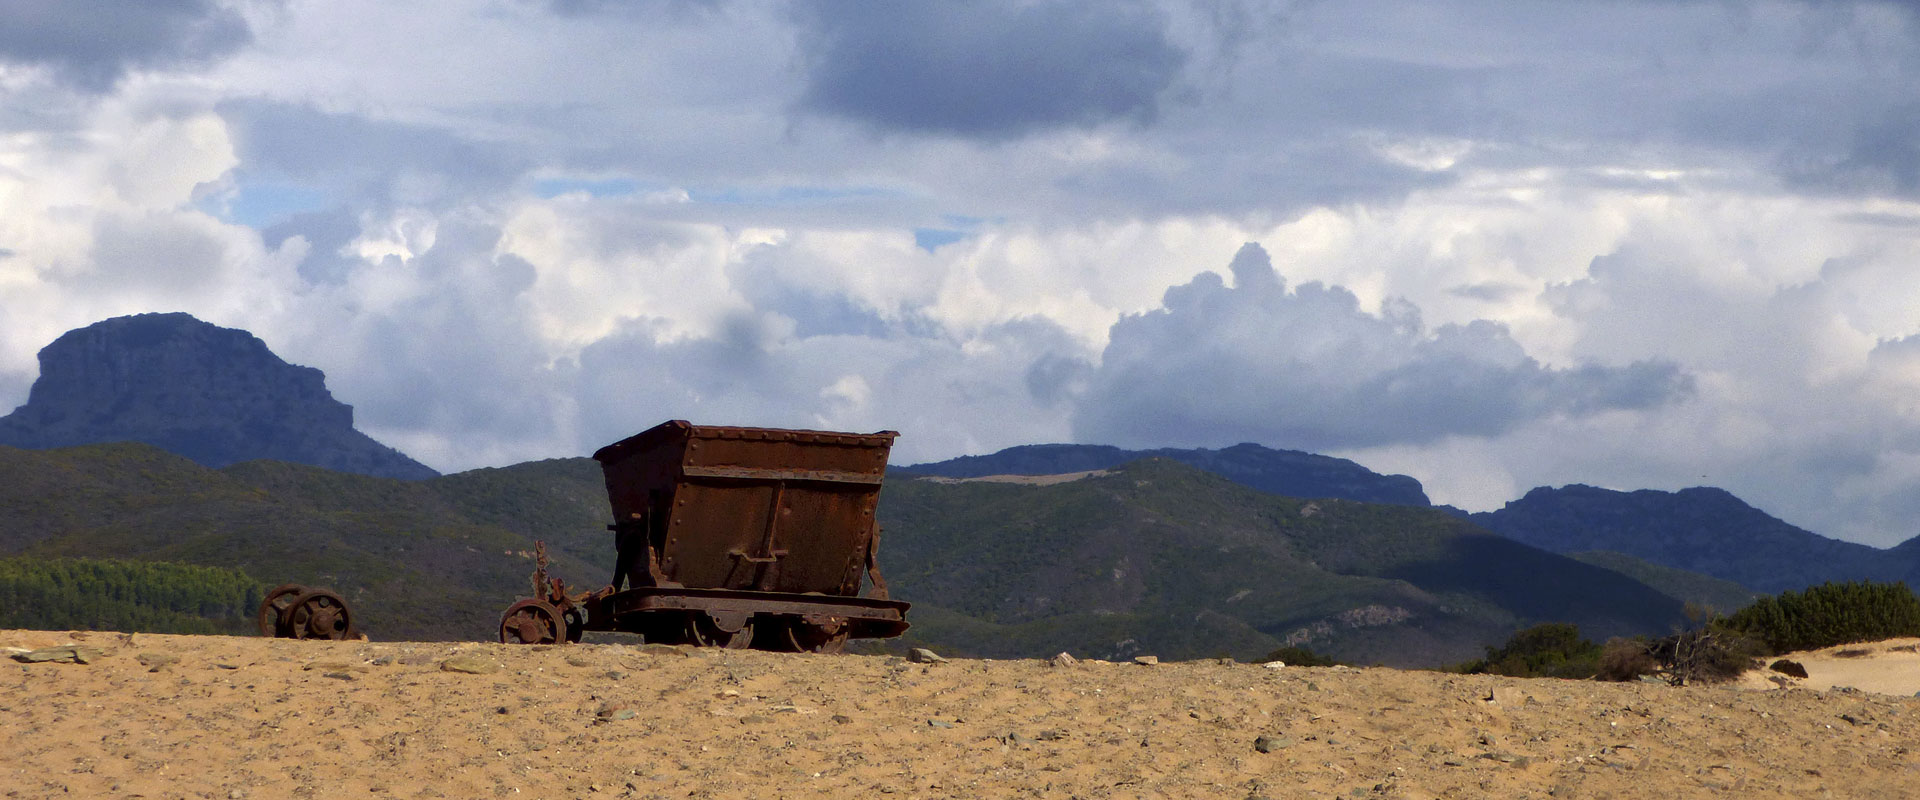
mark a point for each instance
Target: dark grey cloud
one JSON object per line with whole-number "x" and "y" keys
{"x": 989, "y": 69}
{"x": 588, "y": 8}
{"x": 1307, "y": 368}
{"x": 1881, "y": 156}
{"x": 91, "y": 43}
{"x": 360, "y": 161}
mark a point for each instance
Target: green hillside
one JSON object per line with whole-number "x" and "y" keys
{"x": 1157, "y": 557}
{"x": 412, "y": 558}
{"x": 107, "y": 594}
{"x": 1700, "y": 590}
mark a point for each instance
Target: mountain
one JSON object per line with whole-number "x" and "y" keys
{"x": 1150, "y": 557}
{"x": 1285, "y": 472}
{"x": 1155, "y": 556}
{"x": 430, "y": 560}
{"x": 215, "y": 395}
{"x": 1703, "y": 530}
{"x": 1693, "y": 588}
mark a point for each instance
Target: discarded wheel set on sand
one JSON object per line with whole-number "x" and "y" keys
{"x": 294, "y": 611}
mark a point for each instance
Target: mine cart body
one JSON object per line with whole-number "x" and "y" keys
{"x": 744, "y": 536}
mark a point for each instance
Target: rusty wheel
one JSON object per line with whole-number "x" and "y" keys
{"x": 533, "y": 622}
{"x": 800, "y": 636}
{"x": 272, "y": 616}
{"x": 318, "y": 614}
{"x": 704, "y": 630}
{"x": 576, "y": 620}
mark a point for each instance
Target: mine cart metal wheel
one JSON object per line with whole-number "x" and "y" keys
{"x": 272, "y": 616}
{"x": 576, "y": 621}
{"x": 318, "y": 614}
{"x": 533, "y": 622}
{"x": 704, "y": 631}
{"x": 794, "y": 635}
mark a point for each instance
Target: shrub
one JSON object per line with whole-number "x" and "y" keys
{"x": 1548, "y": 650}
{"x": 1296, "y": 656}
{"x": 1704, "y": 655}
{"x": 1626, "y": 660}
{"x": 1827, "y": 615}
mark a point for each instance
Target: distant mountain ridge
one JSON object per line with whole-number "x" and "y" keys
{"x": 1704, "y": 530}
{"x": 1155, "y": 557}
{"x": 215, "y": 395}
{"x": 1284, "y": 472}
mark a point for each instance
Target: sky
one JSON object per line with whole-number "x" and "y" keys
{"x": 1492, "y": 245}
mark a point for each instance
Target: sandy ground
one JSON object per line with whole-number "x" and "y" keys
{"x": 1889, "y": 667}
{"x": 218, "y": 717}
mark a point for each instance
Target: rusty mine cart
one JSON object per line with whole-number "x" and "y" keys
{"x": 732, "y": 537}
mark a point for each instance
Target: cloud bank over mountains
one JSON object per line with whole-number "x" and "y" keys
{"x": 1634, "y": 243}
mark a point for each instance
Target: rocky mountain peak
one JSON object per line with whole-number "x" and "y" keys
{"x": 215, "y": 395}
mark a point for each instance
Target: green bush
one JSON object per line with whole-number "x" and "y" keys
{"x": 1547, "y": 650}
{"x": 1827, "y": 615}
{"x": 1296, "y": 656}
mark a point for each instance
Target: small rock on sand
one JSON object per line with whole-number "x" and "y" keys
{"x": 63, "y": 654}
{"x": 1268, "y": 744}
{"x": 155, "y": 661}
{"x": 1064, "y": 660}
{"x": 921, "y": 655}
{"x": 472, "y": 665}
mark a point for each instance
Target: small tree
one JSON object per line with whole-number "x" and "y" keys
{"x": 1547, "y": 650}
{"x": 1704, "y": 655}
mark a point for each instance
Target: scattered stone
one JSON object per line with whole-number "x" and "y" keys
{"x": 1051, "y": 735}
{"x": 614, "y": 674}
{"x": 1064, "y": 659}
{"x": 472, "y": 665}
{"x": 656, "y": 649}
{"x": 1146, "y": 661}
{"x": 155, "y": 662}
{"x": 1268, "y": 744}
{"x": 578, "y": 661}
{"x": 939, "y": 723}
{"x": 382, "y": 661}
{"x": 339, "y": 676}
{"x": 416, "y": 659}
{"x": 63, "y": 654}
{"x": 754, "y": 719}
{"x": 1785, "y": 667}
{"x": 226, "y": 666}
{"x": 1508, "y": 696}
{"x": 921, "y": 655}
{"x": 1275, "y": 664}
{"x": 611, "y": 712}
{"x": 330, "y": 666}
{"x": 841, "y": 719}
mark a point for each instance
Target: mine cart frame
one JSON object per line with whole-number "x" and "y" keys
{"x": 732, "y": 537}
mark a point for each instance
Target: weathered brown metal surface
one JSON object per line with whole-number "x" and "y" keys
{"x": 731, "y": 536}
{"x": 747, "y": 508}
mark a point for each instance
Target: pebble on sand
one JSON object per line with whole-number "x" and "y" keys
{"x": 472, "y": 665}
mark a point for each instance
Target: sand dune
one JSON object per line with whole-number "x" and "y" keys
{"x": 217, "y": 717}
